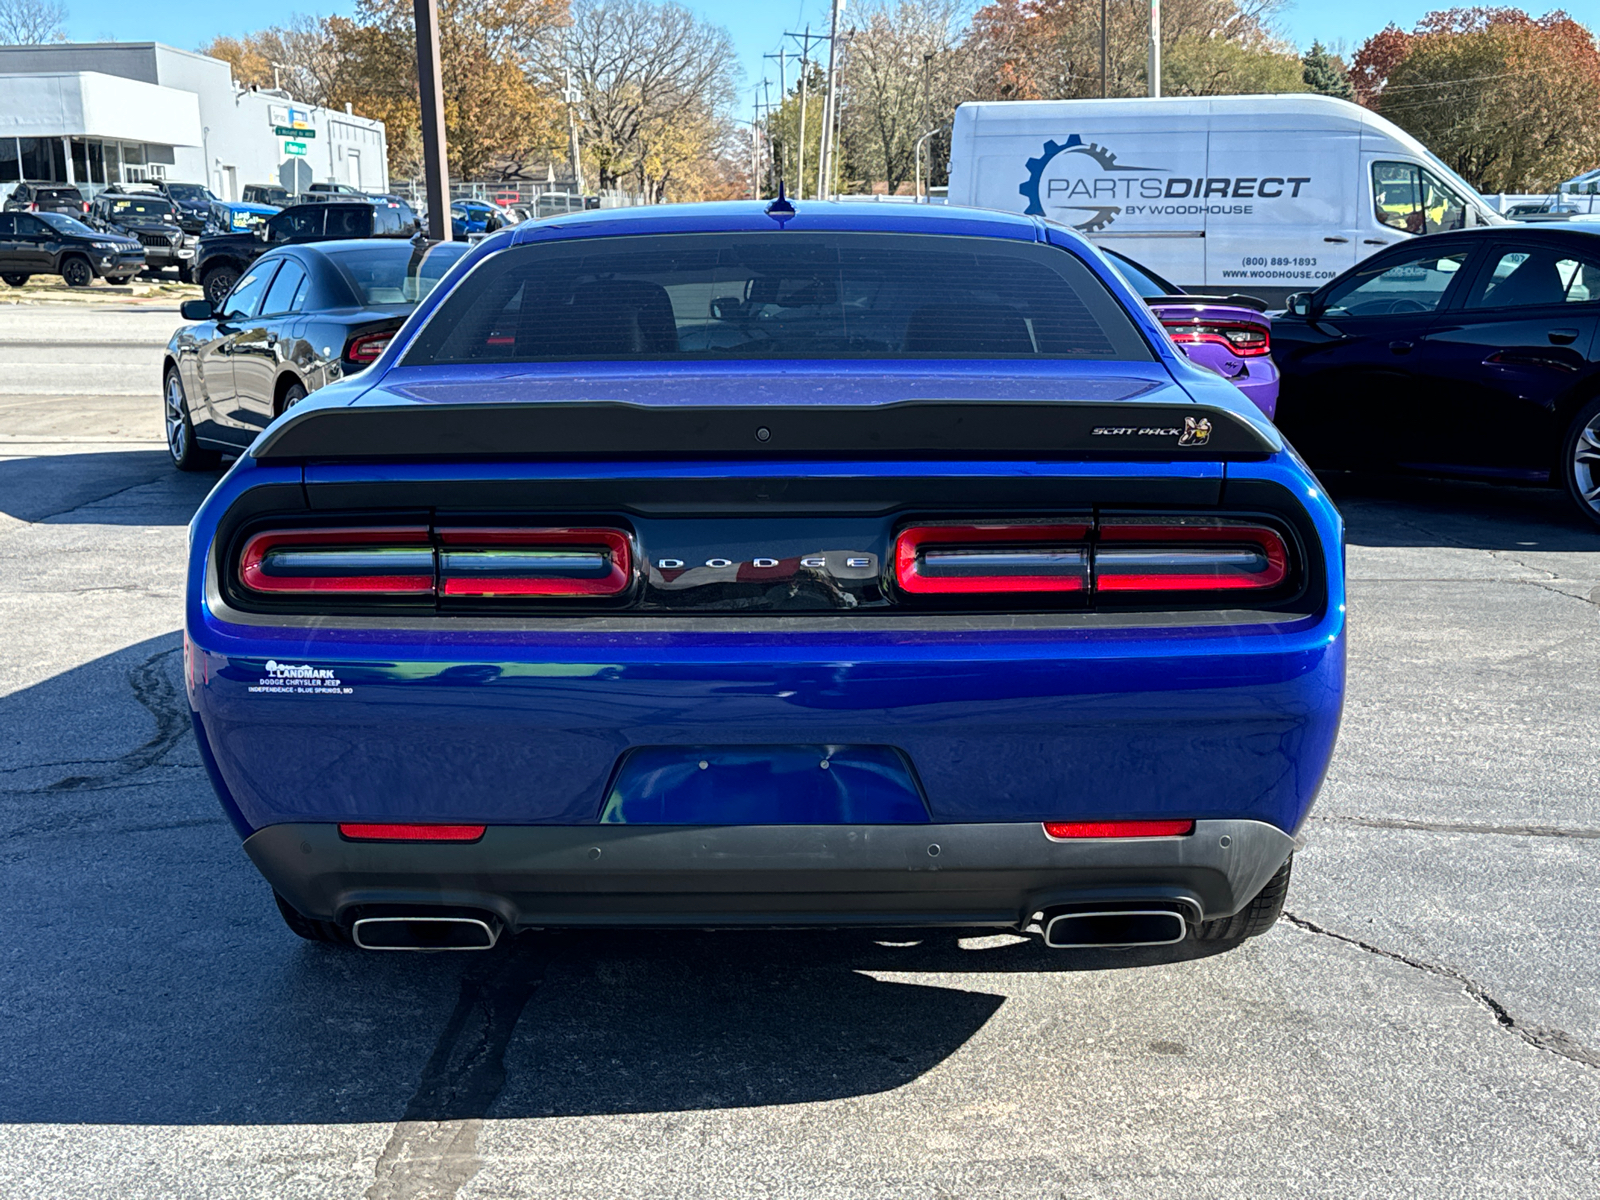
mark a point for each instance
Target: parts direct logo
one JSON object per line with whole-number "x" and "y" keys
{"x": 1084, "y": 177}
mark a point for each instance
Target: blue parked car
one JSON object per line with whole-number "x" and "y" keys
{"x": 235, "y": 217}
{"x": 473, "y": 216}
{"x": 733, "y": 565}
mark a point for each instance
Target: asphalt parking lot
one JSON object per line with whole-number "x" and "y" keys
{"x": 1426, "y": 1022}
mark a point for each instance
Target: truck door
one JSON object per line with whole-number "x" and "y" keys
{"x": 1281, "y": 209}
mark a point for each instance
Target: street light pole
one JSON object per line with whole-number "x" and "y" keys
{"x": 572, "y": 96}
{"x": 825, "y": 147}
{"x": 1155, "y": 48}
{"x": 435, "y": 165}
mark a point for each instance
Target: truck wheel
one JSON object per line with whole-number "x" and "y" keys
{"x": 15, "y": 280}
{"x": 1580, "y": 460}
{"x": 186, "y": 456}
{"x": 185, "y": 273}
{"x": 1255, "y": 918}
{"x": 310, "y": 929}
{"x": 77, "y": 272}
{"x": 218, "y": 282}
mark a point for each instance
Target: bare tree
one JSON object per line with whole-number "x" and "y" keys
{"x": 31, "y": 22}
{"x": 656, "y": 82}
{"x": 905, "y": 70}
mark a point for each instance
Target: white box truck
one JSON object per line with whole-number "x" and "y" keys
{"x": 1265, "y": 195}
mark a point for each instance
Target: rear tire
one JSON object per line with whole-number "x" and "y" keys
{"x": 77, "y": 272}
{"x": 186, "y": 456}
{"x": 1580, "y": 461}
{"x": 16, "y": 280}
{"x": 218, "y": 282}
{"x": 327, "y": 932}
{"x": 1255, "y": 918}
{"x": 292, "y": 395}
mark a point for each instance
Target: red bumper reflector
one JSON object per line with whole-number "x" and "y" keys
{"x": 993, "y": 559}
{"x": 1117, "y": 829}
{"x": 412, "y": 833}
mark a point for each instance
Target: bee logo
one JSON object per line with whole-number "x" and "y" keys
{"x": 1195, "y": 432}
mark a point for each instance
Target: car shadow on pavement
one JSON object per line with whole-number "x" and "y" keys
{"x": 88, "y": 488}
{"x": 1413, "y": 510}
{"x": 148, "y": 979}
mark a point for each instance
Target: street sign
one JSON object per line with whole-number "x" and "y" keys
{"x": 296, "y": 148}
{"x": 292, "y": 131}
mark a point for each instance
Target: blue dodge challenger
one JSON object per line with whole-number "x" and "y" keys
{"x": 771, "y": 565}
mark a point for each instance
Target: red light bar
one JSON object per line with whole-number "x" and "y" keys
{"x": 366, "y": 348}
{"x": 411, "y": 833}
{"x": 546, "y": 563}
{"x": 1141, "y": 554}
{"x": 382, "y": 561}
{"x": 1244, "y": 340}
{"x": 999, "y": 558}
{"x": 1062, "y": 830}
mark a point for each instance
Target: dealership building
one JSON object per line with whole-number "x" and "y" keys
{"x": 108, "y": 113}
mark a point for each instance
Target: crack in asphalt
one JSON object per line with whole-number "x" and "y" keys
{"x": 154, "y": 690}
{"x": 1548, "y": 831}
{"x": 433, "y": 1151}
{"x": 1554, "y": 1041}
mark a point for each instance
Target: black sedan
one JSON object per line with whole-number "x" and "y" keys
{"x": 1473, "y": 353}
{"x": 300, "y": 317}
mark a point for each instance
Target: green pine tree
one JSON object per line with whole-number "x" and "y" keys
{"x": 1323, "y": 72}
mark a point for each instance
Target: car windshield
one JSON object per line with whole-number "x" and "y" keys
{"x": 189, "y": 193}
{"x": 1141, "y": 280}
{"x": 66, "y": 224}
{"x": 141, "y": 207}
{"x": 396, "y": 272}
{"x": 793, "y": 295}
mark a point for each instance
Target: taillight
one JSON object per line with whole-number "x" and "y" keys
{"x": 381, "y": 832}
{"x": 1240, "y": 338}
{"x": 1194, "y": 554}
{"x": 1063, "y": 830}
{"x": 999, "y": 558}
{"x": 366, "y": 348}
{"x": 391, "y": 561}
{"x": 549, "y": 563}
{"x": 1117, "y": 555}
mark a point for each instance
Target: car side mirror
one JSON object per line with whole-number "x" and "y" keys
{"x": 195, "y": 310}
{"x": 1298, "y": 305}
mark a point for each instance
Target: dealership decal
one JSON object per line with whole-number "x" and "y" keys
{"x": 300, "y": 679}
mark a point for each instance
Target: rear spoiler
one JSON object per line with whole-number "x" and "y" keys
{"x": 919, "y": 429}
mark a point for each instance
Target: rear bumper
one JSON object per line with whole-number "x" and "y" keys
{"x": 768, "y": 875}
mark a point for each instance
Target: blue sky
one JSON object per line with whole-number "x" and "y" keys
{"x": 757, "y": 26}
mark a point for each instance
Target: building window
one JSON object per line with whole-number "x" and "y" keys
{"x": 10, "y": 165}
{"x": 97, "y": 162}
{"x": 35, "y": 158}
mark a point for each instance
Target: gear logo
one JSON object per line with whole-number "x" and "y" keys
{"x": 1100, "y": 215}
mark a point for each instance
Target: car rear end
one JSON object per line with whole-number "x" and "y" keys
{"x": 967, "y": 638}
{"x": 1230, "y": 339}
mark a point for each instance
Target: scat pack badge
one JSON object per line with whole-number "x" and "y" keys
{"x": 1196, "y": 431}
{"x": 300, "y": 679}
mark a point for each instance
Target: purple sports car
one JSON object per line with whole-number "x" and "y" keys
{"x": 1225, "y": 334}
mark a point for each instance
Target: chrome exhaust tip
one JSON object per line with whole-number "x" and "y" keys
{"x": 1119, "y": 928}
{"x": 426, "y": 933}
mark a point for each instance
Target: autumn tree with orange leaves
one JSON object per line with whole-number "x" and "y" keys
{"x": 1511, "y": 101}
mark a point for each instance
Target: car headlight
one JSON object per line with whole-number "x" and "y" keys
{"x": 109, "y": 247}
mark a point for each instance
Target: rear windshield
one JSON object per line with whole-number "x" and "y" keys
{"x": 783, "y": 295}
{"x": 395, "y": 272}
{"x": 58, "y": 194}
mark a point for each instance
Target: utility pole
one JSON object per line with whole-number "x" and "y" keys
{"x": 829, "y": 107}
{"x": 805, "y": 79}
{"x": 1154, "y": 71}
{"x": 772, "y": 158}
{"x": 755, "y": 145}
{"x": 573, "y": 97}
{"x": 435, "y": 164}
{"x": 1102, "y": 49}
{"x": 783, "y": 96}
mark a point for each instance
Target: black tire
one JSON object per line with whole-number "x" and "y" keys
{"x": 292, "y": 395}
{"x": 1580, "y": 461}
{"x": 77, "y": 272}
{"x": 1255, "y": 918}
{"x": 309, "y": 928}
{"x": 186, "y": 455}
{"x": 185, "y": 273}
{"x": 218, "y": 282}
{"x": 16, "y": 280}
